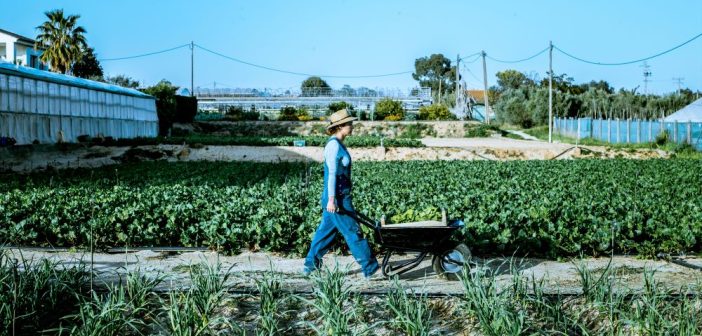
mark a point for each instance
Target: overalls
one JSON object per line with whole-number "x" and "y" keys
{"x": 339, "y": 222}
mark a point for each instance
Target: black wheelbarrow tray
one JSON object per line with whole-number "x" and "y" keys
{"x": 427, "y": 237}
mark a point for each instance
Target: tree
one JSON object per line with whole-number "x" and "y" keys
{"x": 88, "y": 66}
{"x": 599, "y": 85}
{"x": 123, "y": 81}
{"x": 511, "y": 108}
{"x": 315, "y": 86}
{"x": 62, "y": 39}
{"x": 435, "y": 69}
{"x": 164, "y": 92}
{"x": 513, "y": 79}
{"x": 347, "y": 91}
{"x": 366, "y": 92}
{"x": 388, "y": 109}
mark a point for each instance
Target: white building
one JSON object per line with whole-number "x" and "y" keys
{"x": 18, "y": 49}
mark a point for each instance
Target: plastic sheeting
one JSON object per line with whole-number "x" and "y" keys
{"x": 692, "y": 112}
{"x": 36, "y": 108}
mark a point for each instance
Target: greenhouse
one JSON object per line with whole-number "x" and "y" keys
{"x": 45, "y": 107}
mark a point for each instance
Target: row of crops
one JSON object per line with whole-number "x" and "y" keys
{"x": 58, "y": 300}
{"x": 548, "y": 208}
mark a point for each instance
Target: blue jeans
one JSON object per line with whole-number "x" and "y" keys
{"x": 349, "y": 228}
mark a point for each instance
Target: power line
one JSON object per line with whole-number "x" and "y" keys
{"x": 521, "y": 60}
{"x": 298, "y": 73}
{"x": 471, "y": 73}
{"x": 143, "y": 55}
{"x": 629, "y": 62}
{"x": 477, "y": 57}
{"x": 471, "y": 55}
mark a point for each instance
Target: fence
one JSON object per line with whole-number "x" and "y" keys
{"x": 630, "y": 131}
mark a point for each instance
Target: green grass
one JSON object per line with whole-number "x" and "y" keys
{"x": 680, "y": 150}
{"x": 482, "y": 130}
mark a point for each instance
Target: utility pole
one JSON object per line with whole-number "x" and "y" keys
{"x": 647, "y": 73}
{"x": 485, "y": 90}
{"x": 192, "y": 67}
{"x": 550, "y": 91}
{"x": 680, "y": 81}
{"x": 458, "y": 60}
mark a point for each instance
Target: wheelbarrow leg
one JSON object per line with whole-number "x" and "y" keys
{"x": 385, "y": 267}
{"x": 389, "y": 270}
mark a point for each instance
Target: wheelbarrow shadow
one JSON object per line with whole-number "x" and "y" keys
{"x": 496, "y": 266}
{"x": 502, "y": 265}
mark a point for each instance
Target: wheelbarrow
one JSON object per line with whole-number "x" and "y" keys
{"x": 427, "y": 237}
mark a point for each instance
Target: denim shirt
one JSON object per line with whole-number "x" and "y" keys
{"x": 337, "y": 171}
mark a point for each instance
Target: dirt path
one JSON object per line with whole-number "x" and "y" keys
{"x": 494, "y": 143}
{"x": 559, "y": 277}
{"x": 499, "y": 149}
{"x": 523, "y": 135}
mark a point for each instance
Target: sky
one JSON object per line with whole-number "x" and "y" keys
{"x": 364, "y": 37}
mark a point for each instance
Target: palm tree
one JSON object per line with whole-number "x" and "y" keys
{"x": 62, "y": 40}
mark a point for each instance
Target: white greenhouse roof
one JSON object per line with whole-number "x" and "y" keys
{"x": 16, "y": 70}
{"x": 692, "y": 112}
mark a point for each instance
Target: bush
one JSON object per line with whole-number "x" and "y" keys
{"x": 411, "y": 117}
{"x": 200, "y": 116}
{"x": 303, "y": 115}
{"x": 511, "y": 108}
{"x": 237, "y": 113}
{"x": 388, "y": 109}
{"x": 435, "y": 112}
{"x": 482, "y": 131}
{"x": 416, "y": 131}
{"x": 662, "y": 138}
{"x": 290, "y": 113}
{"x": 336, "y": 106}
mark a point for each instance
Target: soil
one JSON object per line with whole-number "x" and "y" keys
{"x": 559, "y": 276}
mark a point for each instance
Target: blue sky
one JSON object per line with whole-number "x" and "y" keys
{"x": 337, "y": 37}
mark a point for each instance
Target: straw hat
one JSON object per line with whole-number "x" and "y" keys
{"x": 339, "y": 118}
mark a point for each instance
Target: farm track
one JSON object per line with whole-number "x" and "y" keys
{"x": 561, "y": 278}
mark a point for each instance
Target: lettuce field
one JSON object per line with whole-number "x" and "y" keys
{"x": 539, "y": 208}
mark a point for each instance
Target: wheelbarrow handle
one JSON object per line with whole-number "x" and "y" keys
{"x": 359, "y": 217}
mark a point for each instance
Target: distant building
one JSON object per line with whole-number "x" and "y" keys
{"x": 477, "y": 95}
{"x": 19, "y": 50}
{"x": 476, "y": 104}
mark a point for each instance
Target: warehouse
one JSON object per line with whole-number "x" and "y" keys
{"x": 45, "y": 107}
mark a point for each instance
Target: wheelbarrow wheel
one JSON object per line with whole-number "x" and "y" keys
{"x": 450, "y": 263}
